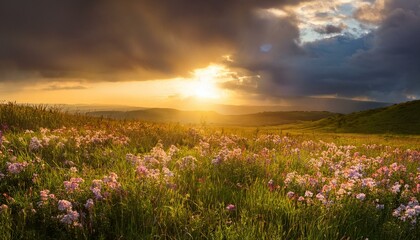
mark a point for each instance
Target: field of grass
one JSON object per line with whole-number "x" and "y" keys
{"x": 212, "y": 118}
{"x": 77, "y": 177}
{"x": 403, "y": 118}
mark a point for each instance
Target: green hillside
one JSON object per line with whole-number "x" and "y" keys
{"x": 209, "y": 117}
{"x": 401, "y": 118}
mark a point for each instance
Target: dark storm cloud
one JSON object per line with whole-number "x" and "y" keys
{"x": 396, "y": 50}
{"x": 144, "y": 40}
{"x": 330, "y": 29}
{"x": 108, "y": 40}
{"x": 383, "y": 65}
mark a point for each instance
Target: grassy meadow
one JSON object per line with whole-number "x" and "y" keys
{"x": 68, "y": 176}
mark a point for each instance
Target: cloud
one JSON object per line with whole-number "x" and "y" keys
{"x": 330, "y": 29}
{"x": 380, "y": 66}
{"x": 371, "y": 12}
{"x": 58, "y": 87}
{"x": 55, "y": 41}
{"x": 395, "y": 52}
{"x": 110, "y": 41}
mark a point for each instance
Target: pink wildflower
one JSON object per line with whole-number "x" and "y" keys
{"x": 73, "y": 184}
{"x": 320, "y": 197}
{"x": 111, "y": 180}
{"x": 396, "y": 188}
{"x": 230, "y": 207}
{"x": 64, "y": 205}
{"x": 3, "y": 207}
{"x": 71, "y": 218}
{"x": 44, "y": 195}
{"x": 97, "y": 192}
{"x": 15, "y": 168}
{"x": 35, "y": 144}
{"x": 89, "y": 204}
{"x": 361, "y": 196}
{"x": 290, "y": 194}
{"x": 308, "y": 194}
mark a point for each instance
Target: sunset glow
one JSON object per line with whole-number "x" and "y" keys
{"x": 205, "y": 79}
{"x": 151, "y": 54}
{"x": 209, "y": 119}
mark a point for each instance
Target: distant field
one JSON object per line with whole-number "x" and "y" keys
{"x": 213, "y": 118}
{"x": 66, "y": 176}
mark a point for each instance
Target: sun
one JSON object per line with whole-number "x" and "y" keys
{"x": 205, "y": 80}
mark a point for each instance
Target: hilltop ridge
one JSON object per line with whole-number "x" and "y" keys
{"x": 402, "y": 118}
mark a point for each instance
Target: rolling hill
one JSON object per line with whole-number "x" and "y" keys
{"x": 403, "y": 118}
{"x": 211, "y": 117}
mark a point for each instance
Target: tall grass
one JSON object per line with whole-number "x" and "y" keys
{"x": 189, "y": 199}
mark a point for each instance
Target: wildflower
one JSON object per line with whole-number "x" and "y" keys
{"x": 73, "y": 184}
{"x": 361, "y": 196}
{"x": 111, "y": 180}
{"x": 89, "y": 204}
{"x": 417, "y": 209}
{"x": 173, "y": 150}
{"x": 3, "y": 207}
{"x": 396, "y": 188}
{"x": 290, "y": 194}
{"x": 97, "y": 192}
{"x": 71, "y": 218}
{"x": 35, "y": 178}
{"x": 64, "y": 205}
{"x": 142, "y": 171}
{"x": 326, "y": 188}
{"x": 158, "y": 153}
{"x": 301, "y": 199}
{"x": 320, "y": 197}
{"x": 368, "y": 182}
{"x": 132, "y": 159}
{"x": 187, "y": 162}
{"x": 35, "y": 144}
{"x": 341, "y": 192}
{"x": 410, "y": 212}
{"x": 167, "y": 172}
{"x": 230, "y": 207}
{"x": 73, "y": 169}
{"x": 289, "y": 177}
{"x": 308, "y": 194}
{"x": 217, "y": 160}
{"x": 44, "y": 195}
{"x": 15, "y": 168}
{"x": 380, "y": 206}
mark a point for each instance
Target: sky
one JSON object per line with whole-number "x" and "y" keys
{"x": 187, "y": 53}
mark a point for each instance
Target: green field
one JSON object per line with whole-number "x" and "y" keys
{"x": 403, "y": 118}
{"x": 212, "y": 118}
{"x": 68, "y": 176}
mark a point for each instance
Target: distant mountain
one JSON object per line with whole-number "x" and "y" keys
{"x": 403, "y": 118}
{"x": 335, "y": 105}
{"x": 211, "y": 117}
{"x": 289, "y": 104}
